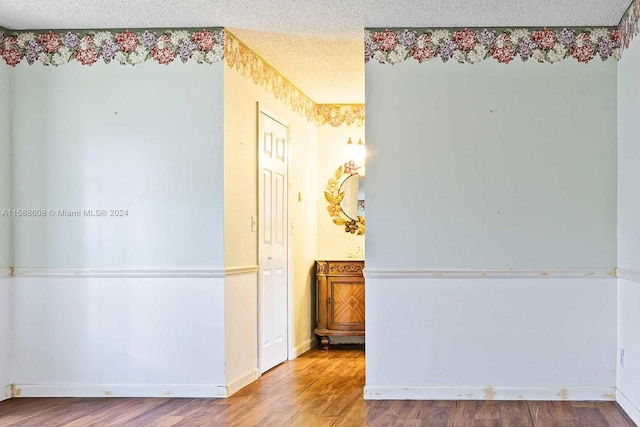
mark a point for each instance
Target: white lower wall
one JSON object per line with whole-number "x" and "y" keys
{"x": 628, "y": 339}
{"x": 496, "y": 338}
{"x": 119, "y": 337}
{"x": 241, "y": 334}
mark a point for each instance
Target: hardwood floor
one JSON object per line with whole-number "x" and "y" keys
{"x": 317, "y": 389}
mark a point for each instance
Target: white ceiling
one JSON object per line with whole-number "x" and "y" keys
{"x": 316, "y": 44}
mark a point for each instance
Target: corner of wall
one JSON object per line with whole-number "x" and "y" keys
{"x": 629, "y": 407}
{"x": 6, "y": 232}
{"x": 628, "y": 210}
{"x": 249, "y": 80}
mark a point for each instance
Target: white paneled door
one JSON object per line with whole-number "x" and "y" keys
{"x": 272, "y": 249}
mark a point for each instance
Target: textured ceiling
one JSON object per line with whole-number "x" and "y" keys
{"x": 316, "y": 44}
{"x": 328, "y": 71}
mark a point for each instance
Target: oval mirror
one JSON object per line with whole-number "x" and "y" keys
{"x": 352, "y": 203}
{"x": 345, "y": 195}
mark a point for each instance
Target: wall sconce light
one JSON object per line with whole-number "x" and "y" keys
{"x": 355, "y": 154}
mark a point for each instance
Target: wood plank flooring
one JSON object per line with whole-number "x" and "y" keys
{"x": 317, "y": 389}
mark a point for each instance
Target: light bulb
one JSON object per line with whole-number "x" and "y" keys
{"x": 359, "y": 153}
{"x": 350, "y": 150}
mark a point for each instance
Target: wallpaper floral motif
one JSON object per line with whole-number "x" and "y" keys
{"x": 339, "y": 114}
{"x": 124, "y": 47}
{"x": 251, "y": 66}
{"x": 472, "y": 46}
{"x": 630, "y": 23}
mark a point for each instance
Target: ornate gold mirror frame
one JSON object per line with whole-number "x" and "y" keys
{"x": 334, "y": 196}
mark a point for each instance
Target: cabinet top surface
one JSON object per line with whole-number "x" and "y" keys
{"x": 332, "y": 268}
{"x": 341, "y": 260}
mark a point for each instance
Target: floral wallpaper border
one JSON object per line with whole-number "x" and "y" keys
{"x": 251, "y": 66}
{"x": 630, "y": 24}
{"x": 391, "y": 46}
{"x": 241, "y": 58}
{"x": 121, "y": 46}
{"x": 340, "y": 114}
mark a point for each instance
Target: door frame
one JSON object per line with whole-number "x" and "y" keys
{"x": 261, "y": 109}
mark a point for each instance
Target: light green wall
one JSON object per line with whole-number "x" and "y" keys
{"x": 491, "y": 166}
{"x": 5, "y": 165}
{"x": 629, "y": 158}
{"x": 147, "y": 139}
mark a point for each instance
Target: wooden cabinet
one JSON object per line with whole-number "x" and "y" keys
{"x": 340, "y": 300}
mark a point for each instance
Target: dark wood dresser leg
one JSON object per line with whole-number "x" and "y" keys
{"x": 325, "y": 343}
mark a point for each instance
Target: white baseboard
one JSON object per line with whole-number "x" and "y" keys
{"x": 6, "y": 392}
{"x": 241, "y": 382}
{"x": 632, "y": 410}
{"x": 488, "y": 393}
{"x": 302, "y": 348}
{"x": 120, "y": 390}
